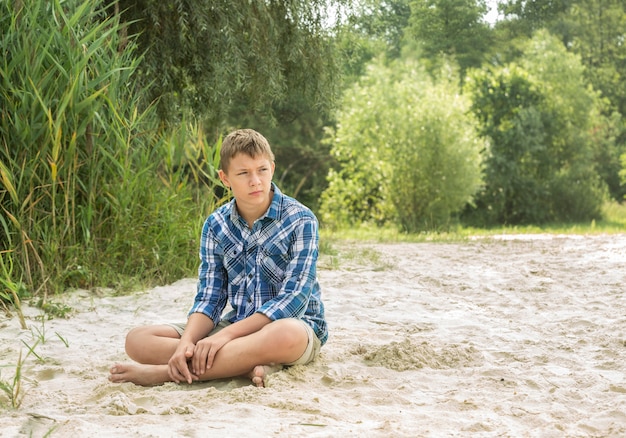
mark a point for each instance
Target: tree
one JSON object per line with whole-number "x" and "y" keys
{"x": 598, "y": 37}
{"x": 455, "y": 28}
{"x": 594, "y": 30}
{"x": 221, "y": 59}
{"x": 408, "y": 151}
{"x": 371, "y": 28}
{"x": 539, "y": 117}
{"x": 528, "y": 16}
{"x": 622, "y": 172}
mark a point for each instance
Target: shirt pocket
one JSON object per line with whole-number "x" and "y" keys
{"x": 234, "y": 263}
{"x": 273, "y": 262}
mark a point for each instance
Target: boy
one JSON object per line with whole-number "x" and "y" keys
{"x": 259, "y": 253}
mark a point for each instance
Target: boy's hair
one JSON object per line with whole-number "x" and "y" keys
{"x": 244, "y": 141}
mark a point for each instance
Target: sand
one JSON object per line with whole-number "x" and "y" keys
{"x": 509, "y": 336}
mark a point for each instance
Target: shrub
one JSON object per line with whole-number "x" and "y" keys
{"x": 407, "y": 149}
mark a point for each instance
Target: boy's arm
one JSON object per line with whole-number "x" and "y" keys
{"x": 300, "y": 275}
{"x": 211, "y": 296}
{"x": 198, "y": 326}
{"x": 205, "y": 313}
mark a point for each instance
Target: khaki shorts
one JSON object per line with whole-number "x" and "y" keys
{"x": 312, "y": 349}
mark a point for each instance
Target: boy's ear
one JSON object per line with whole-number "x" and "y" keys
{"x": 223, "y": 178}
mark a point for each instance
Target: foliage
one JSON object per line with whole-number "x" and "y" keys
{"x": 538, "y": 116}
{"x": 608, "y": 144}
{"x": 407, "y": 151}
{"x": 597, "y": 35}
{"x": 219, "y": 59}
{"x": 11, "y": 291}
{"x": 528, "y": 16}
{"x": 371, "y": 28}
{"x": 622, "y": 172}
{"x": 356, "y": 190}
{"x": 367, "y": 29}
{"x": 271, "y": 66}
{"x": 84, "y": 197}
{"x": 454, "y": 28}
{"x": 592, "y": 29}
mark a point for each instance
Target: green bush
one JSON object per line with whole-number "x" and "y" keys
{"x": 408, "y": 152}
{"x": 436, "y": 159}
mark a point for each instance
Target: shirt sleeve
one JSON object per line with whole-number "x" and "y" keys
{"x": 212, "y": 293}
{"x": 300, "y": 275}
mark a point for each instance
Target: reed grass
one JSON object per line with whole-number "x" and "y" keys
{"x": 93, "y": 191}
{"x": 10, "y": 290}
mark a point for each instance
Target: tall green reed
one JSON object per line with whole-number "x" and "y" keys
{"x": 89, "y": 194}
{"x": 10, "y": 289}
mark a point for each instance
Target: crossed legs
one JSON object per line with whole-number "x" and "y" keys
{"x": 255, "y": 355}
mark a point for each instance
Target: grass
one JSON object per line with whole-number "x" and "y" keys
{"x": 12, "y": 388}
{"x": 10, "y": 290}
{"x": 613, "y": 222}
{"x": 331, "y": 259}
{"x": 335, "y": 245}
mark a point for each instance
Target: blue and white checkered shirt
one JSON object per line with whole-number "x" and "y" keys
{"x": 270, "y": 269}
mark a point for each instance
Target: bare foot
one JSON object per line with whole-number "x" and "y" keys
{"x": 260, "y": 373}
{"x": 139, "y": 374}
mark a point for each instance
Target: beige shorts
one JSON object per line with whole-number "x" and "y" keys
{"x": 312, "y": 349}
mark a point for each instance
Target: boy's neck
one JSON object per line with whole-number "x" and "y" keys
{"x": 252, "y": 215}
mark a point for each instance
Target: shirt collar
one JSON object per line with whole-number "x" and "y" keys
{"x": 274, "y": 209}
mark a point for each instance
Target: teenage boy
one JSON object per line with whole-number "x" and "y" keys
{"x": 258, "y": 253}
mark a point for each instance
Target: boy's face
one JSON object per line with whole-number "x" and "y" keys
{"x": 250, "y": 179}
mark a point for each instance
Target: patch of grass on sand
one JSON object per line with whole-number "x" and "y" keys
{"x": 12, "y": 388}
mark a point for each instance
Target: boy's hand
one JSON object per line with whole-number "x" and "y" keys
{"x": 205, "y": 351}
{"x": 177, "y": 366}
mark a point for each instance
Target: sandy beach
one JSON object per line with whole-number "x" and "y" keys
{"x": 512, "y": 336}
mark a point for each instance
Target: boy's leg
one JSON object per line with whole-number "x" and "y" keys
{"x": 313, "y": 347}
{"x": 282, "y": 341}
{"x": 152, "y": 344}
{"x": 260, "y": 372}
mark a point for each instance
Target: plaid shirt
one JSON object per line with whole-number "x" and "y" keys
{"x": 270, "y": 269}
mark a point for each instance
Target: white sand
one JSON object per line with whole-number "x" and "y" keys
{"x": 518, "y": 336}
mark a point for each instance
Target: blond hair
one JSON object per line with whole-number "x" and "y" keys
{"x": 244, "y": 141}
